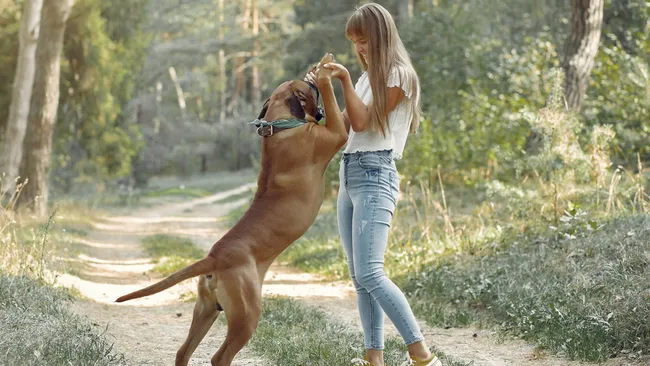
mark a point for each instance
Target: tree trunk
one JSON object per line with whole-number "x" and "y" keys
{"x": 156, "y": 120}
{"x": 238, "y": 68}
{"x": 255, "y": 76}
{"x": 37, "y": 146}
{"x": 222, "y": 68}
{"x": 404, "y": 9}
{"x": 179, "y": 92}
{"x": 21, "y": 93}
{"x": 581, "y": 49}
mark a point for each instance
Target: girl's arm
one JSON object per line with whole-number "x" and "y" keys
{"x": 335, "y": 119}
{"x": 346, "y": 120}
{"x": 355, "y": 109}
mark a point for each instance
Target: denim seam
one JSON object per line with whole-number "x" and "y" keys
{"x": 372, "y": 233}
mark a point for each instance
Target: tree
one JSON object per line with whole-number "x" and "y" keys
{"x": 222, "y": 67}
{"x": 255, "y": 74}
{"x": 404, "y": 10}
{"x": 37, "y": 147}
{"x": 238, "y": 71}
{"x": 22, "y": 91}
{"x": 582, "y": 47}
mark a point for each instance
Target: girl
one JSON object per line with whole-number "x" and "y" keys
{"x": 380, "y": 109}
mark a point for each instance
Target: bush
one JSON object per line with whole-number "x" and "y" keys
{"x": 38, "y": 328}
{"x": 582, "y": 295}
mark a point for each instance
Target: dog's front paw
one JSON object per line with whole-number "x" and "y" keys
{"x": 328, "y": 57}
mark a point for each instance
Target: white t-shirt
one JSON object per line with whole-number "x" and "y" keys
{"x": 399, "y": 119}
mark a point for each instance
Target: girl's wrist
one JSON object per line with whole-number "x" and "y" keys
{"x": 346, "y": 77}
{"x": 346, "y": 82}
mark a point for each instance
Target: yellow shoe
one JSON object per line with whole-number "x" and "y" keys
{"x": 431, "y": 361}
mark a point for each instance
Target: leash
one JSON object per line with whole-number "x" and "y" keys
{"x": 265, "y": 128}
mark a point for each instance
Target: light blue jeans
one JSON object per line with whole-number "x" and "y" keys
{"x": 366, "y": 202}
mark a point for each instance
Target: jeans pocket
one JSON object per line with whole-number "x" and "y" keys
{"x": 370, "y": 161}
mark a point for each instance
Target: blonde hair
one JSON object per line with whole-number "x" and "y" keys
{"x": 386, "y": 53}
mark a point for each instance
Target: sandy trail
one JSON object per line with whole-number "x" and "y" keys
{"x": 149, "y": 330}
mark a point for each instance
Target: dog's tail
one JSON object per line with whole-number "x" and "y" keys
{"x": 203, "y": 266}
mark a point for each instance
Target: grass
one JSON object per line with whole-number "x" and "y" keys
{"x": 171, "y": 252}
{"x": 177, "y": 191}
{"x": 38, "y": 328}
{"x": 584, "y": 296}
{"x": 233, "y": 198}
{"x": 291, "y": 334}
{"x": 319, "y": 250}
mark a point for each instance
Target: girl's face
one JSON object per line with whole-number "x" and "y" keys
{"x": 361, "y": 46}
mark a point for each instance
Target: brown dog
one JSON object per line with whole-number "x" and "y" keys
{"x": 289, "y": 195}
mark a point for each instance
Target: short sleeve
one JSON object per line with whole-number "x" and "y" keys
{"x": 363, "y": 79}
{"x": 397, "y": 78}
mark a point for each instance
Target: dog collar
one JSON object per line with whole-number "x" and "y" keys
{"x": 265, "y": 128}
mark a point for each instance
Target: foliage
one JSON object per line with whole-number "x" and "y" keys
{"x": 38, "y": 328}
{"x": 103, "y": 50}
{"x": 619, "y": 95}
{"x": 9, "y": 27}
{"x": 489, "y": 131}
{"x": 581, "y": 295}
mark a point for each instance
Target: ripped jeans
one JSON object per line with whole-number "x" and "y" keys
{"x": 366, "y": 202}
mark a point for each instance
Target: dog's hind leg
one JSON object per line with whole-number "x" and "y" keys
{"x": 205, "y": 313}
{"x": 243, "y": 308}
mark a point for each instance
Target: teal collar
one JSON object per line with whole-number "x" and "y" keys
{"x": 265, "y": 128}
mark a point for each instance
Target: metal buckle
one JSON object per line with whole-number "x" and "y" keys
{"x": 265, "y": 130}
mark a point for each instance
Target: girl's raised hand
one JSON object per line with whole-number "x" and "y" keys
{"x": 338, "y": 71}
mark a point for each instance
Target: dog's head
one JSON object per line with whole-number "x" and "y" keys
{"x": 293, "y": 98}
{"x": 299, "y": 96}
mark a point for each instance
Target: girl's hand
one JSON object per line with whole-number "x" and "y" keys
{"x": 311, "y": 77}
{"x": 323, "y": 75}
{"x": 338, "y": 71}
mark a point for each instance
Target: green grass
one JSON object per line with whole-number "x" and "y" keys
{"x": 171, "y": 252}
{"x": 183, "y": 192}
{"x": 234, "y": 215}
{"x": 291, "y": 334}
{"x": 234, "y": 197}
{"x": 319, "y": 250}
{"x": 192, "y": 190}
{"x": 584, "y": 296}
{"x": 39, "y": 329}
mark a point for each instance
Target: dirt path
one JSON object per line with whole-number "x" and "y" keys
{"x": 150, "y": 330}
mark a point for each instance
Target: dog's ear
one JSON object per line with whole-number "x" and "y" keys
{"x": 310, "y": 103}
{"x": 295, "y": 106}
{"x": 265, "y": 107}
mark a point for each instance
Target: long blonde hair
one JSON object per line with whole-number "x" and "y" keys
{"x": 387, "y": 52}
